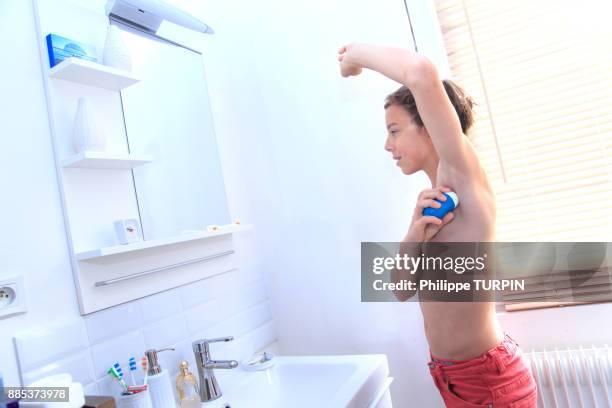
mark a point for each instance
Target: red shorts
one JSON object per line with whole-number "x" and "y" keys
{"x": 498, "y": 378}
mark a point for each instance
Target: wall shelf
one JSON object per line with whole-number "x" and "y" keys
{"x": 93, "y": 74}
{"x": 154, "y": 243}
{"x": 105, "y": 160}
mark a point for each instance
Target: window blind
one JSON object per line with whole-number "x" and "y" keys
{"x": 567, "y": 288}
{"x": 541, "y": 74}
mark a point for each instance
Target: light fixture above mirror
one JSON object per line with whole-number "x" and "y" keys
{"x": 148, "y": 15}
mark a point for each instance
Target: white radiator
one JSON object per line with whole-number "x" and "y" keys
{"x": 573, "y": 378}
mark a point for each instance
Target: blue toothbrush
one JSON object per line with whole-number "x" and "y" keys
{"x": 132, "y": 369}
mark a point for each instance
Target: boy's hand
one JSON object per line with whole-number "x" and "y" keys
{"x": 347, "y": 66}
{"x": 423, "y": 228}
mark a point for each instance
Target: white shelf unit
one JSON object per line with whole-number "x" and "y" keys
{"x": 155, "y": 243}
{"x": 93, "y": 74}
{"x": 105, "y": 160}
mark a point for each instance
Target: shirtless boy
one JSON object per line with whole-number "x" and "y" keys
{"x": 473, "y": 362}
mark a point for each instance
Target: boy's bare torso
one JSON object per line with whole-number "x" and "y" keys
{"x": 462, "y": 330}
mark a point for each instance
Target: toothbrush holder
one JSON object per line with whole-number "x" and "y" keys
{"x": 139, "y": 400}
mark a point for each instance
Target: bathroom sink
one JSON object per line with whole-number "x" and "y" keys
{"x": 306, "y": 382}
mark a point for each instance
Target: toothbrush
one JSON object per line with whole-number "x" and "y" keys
{"x": 145, "y": 368}
{"x": 113, "y": 372}
{"x": 117, "y": 368}
{"x": 132, "y": 369}
{"x": 137, "y": 388}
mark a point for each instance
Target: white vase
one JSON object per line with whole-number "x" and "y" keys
{"x": 86, "y": 135}
{"x": 116, "y": 52}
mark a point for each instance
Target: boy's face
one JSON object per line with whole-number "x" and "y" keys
{"x": 409, "y": 144}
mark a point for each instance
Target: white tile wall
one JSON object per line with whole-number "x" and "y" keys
{"x": 79, "y": 364}
{"x": 44, "y": 345}
{"x": 117, "y": 349}
{"x": 161, "y": 305}
{"x": 231, "y": 304}
{"x": 124, "y": 318}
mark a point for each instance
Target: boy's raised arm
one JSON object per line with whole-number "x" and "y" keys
{"x": 418, "y": 74}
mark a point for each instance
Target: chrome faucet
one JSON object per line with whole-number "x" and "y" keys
{"x": 209, "y": 387}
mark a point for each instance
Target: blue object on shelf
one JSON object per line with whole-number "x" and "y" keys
{"x": 61, "y": 48}
{"x": 452, "y": 201}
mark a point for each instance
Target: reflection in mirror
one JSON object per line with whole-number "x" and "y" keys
{"x": 167, "y": 115}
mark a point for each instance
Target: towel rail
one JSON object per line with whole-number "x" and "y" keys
{"x": 163, "y": 268}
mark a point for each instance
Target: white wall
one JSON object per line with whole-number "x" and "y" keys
{"x": 302, "y": 152}
{"x": 34, "y": 244}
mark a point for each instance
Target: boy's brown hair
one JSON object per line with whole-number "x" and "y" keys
{"x": 461, "y": 102}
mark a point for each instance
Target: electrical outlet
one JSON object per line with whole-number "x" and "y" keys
{"x": 12, "y": 295}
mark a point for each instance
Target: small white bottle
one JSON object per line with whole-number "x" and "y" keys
{"x": 159, "y": 383}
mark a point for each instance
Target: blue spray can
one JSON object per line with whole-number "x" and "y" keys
{"x": 452, "y": 201}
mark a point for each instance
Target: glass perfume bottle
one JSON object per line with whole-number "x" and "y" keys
{"x": 187, "y": 388}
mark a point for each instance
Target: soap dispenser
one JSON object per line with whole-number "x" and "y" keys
{"x": 159, "y": 383}
{"x": 187, "y": 388}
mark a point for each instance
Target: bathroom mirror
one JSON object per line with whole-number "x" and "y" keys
{"x": 171, "y": 181}
{"x": 167, "y": 115}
